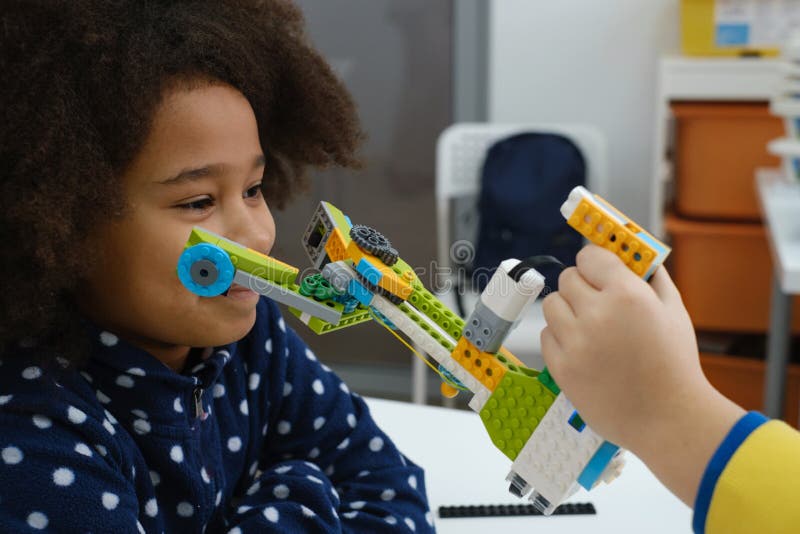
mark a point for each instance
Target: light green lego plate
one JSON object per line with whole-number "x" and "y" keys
{"x": 514, "y": 410}
{"x": 318, "y": 326}
{"x": 247, "y": 259}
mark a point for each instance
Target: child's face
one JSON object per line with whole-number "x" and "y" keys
{"x": 201, "y": 165}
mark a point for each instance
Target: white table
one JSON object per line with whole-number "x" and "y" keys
{"x": 780, "y": 203}
{"x": 463, "y": 467}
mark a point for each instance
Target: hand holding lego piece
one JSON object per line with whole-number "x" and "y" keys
{"x": 608, "y": 326}
{"x": 625, "y": 353}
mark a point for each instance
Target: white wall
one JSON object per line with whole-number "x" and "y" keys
{"x": 586, "y": 61}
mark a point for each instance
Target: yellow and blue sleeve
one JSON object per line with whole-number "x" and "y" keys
{"x": 752, "y": 483}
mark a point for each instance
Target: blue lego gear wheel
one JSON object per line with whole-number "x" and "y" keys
{"x": 205, "y": 270}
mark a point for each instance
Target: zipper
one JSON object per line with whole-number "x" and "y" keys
{"x": 199, "y": 413}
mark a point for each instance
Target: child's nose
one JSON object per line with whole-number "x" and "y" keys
{"x": 251, "y": 230}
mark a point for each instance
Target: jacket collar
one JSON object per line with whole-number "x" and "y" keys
{"x": 134, "y": 385}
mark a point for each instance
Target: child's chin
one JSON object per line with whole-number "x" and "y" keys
{"x": 231, "y": 332}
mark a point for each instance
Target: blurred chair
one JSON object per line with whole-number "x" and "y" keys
{"x": 460, "y": 154}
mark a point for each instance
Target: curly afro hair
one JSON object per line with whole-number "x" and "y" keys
{"x": 81, "y": 80}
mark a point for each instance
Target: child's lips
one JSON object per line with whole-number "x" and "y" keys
{"x": 238, "y": 292}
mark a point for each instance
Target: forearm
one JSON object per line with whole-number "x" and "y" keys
{"x": 679, "y": 444}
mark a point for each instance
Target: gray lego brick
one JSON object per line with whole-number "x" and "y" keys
{"x": 284, "y": 295}
{"x": 316, "y": 254}
{"x": 339, "y": 275}
{"x": 484, "y": 329}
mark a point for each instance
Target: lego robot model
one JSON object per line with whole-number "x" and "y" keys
{"x": 362, "y": 278}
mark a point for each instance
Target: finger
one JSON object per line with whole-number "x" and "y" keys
{"x": 552, "y": 353}
{"x": 664, "y": 287}
{"x": 558, "y": 315}
{"x": 600, "y": 267}
{"x": 575, "y": 290}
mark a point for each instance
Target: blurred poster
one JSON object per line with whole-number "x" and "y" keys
{"x": 755, "y": 23}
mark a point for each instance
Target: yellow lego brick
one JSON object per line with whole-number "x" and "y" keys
{"x": 485, "y": 367}
{"x": 390, "y": 281}
{"x": 405, "y": 272}
{"x": 608, "y": 233}
{"x": 336, "y": 247}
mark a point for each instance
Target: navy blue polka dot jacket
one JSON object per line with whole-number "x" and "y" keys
{"x": 258, "y": 436}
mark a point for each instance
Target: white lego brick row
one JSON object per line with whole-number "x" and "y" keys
{"x": 426, "y": 343}
{"x": 556, "y": 453}
{"x": 411, "y": 329}
{"x": 478, "y": 401}
{"x": 507, "y": 298}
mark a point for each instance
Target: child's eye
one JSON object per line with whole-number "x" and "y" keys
{"x": 253, "y": 192}
{"x": 197, "y": 205}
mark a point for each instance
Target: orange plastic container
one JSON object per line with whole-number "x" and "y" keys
{"x": 718, "y": 148}
{"x": 742, "y": 380}
{"x": 724, "y": 272}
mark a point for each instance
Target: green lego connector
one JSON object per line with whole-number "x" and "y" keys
{"x": 546, "y": 379}
{"x": 245, "y": 259}
{"x": 317, "y": 287}
{"x": 515, "y": 409}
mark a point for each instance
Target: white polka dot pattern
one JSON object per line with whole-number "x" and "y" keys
{"x": 41, "y": 421}
{"x": 235, "y": 444}
{"x": 83, "y": 449}
{"x": 63, "y": 477}
{"x": 38, "y": 521}
{"x": 31, "y": 373}
{"x": 185, "y": 509}
{"x": 134, "y": 415}
{"x": 176, "y": 454}
{"x": 151, "y": 508}
{"x": 110, "y": 500}
{"x": 11, "y": 455}
{"x": 75, "y": 415}
{"x": 376, "y": 444}
{"x": 308, "y": 512}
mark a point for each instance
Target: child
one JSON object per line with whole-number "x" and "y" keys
{"x": 625, "y": 353}
{"x": 127, "y": 403}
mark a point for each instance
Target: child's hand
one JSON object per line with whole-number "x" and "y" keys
{"x": 623, "y": 350}
{"x": 625, "y": 354}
